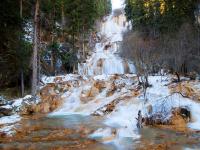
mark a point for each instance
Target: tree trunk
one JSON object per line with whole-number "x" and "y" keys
{"x": 22, "y": 83}
{"x": 139, "y": 120}
{"x": 52, "y": 63}
{"x": 63, "y": 19}
{"x": 83, "y": 44}
{"x": 74, "y": 68}
{"x": 22, "y": 71}
{"x": 39, "y": 49}
{"x": 21, "y": 8}
{"x": 35, "y": 48}
{"x": 53, "y": 58}
{"x": 178, "y": 76}
{"x": 39, "y": 67}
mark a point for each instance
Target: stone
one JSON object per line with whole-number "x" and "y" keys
{"x": 45, "y": 108}
{"x": 100, "y": 63}
{"x": 107, "y": 46}
{"x": 100, "y": 85}
{"x": 92, "y": 92}
{"x": 5, "y": 111}
{"x": 185, "y": 113}
{"x": 111, "y": 90}
{"x": 178, "y": 120}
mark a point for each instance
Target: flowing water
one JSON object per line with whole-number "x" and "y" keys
{"x": 67, "y": 129}
{"x": 105, "y": 59}
{"x": 71, "y": 132}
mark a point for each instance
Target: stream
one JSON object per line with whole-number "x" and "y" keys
{"x": 72, "y": 132}
{"x": 73, "y": 127}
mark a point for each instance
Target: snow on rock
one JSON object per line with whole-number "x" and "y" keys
{"x": 162, "y": 101}
{"x": 7, "y": 124}
{"x": 121, "y": 124}
{"x": 63, "y": 78}
{"x": 9, "y": 119}
{"x": 19, "y": 104}
{"x": 123, "y": 117}
{"x": 7, "y": 106}
{"x": 102, "y": 133}
{"x": 8, "y": 129}
{"x": 92, "y": 94}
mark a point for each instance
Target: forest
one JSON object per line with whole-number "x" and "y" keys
{"x": 100, "y": 74}
{"x": 44, "y": 37}
{"x": 165, "y": 35}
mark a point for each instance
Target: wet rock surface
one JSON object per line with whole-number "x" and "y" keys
{"x": 103, "y": 89}
{"x": 177, "y": 121}
{"x": 188, "y": 89}
{"x": 5, "y": 111}
{"x": 53, "y": 133}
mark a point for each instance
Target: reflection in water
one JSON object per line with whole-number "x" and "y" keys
{"x": 58, "y": 132}
{"x": 72, "y": 132}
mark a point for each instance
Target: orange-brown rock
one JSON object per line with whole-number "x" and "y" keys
{"x": 100, "y": 85}
{"x": 111, "y": 90}
{"x": 126, "y": 67}
{"x": 114, "y": 77}
{"x": 110, "y": 107}
{"x": 177, "y": 121}
{"x": 24, "y": 134}
{"x": 47, "y": 104}
{"x": 135, "y": 93}
{"x": 50, "y": 99}
{"x": 187, "y": 89}
{"x": 48, "y": 89}
{"x": 92, "y": 92}
{"x": 100, "y": 62}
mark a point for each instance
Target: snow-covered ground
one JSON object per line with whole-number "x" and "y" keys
{"x": 9, "y": 119}
{"x": 7, "y": 123}
{"x": 123, "y": 118}
{"x": 156, "y": 97}
{"x": 83, "y": 97}
{"x": 74, "y": 104}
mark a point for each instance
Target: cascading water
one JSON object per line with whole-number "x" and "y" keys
{"x": 104, "y": 79}
{"x": 104, "y": 59}
{"x": 102, "y": 88}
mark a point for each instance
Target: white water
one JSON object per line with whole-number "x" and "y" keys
{"x": 101, "y": 66}
{"x": 106, "y": 60}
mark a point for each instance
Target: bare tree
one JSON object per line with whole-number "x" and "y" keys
{"x": 139, "y": 49}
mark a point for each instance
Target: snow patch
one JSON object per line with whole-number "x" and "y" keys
{"x": 9, "y": 119}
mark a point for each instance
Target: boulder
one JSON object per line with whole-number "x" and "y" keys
{"x": 185, "y": 113}
{"x": 100, "y": 85}
{"x": 44, "y": 107}
{"x": 177, "y": 121}
{"x": 107, "y": 46}
{"x": 100, "y": 63}
{"x": 92, "y": 92}
{"x": 111, "y": 90}
{"x": 28, "y": 105}
{"x": 6, "y": 111}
